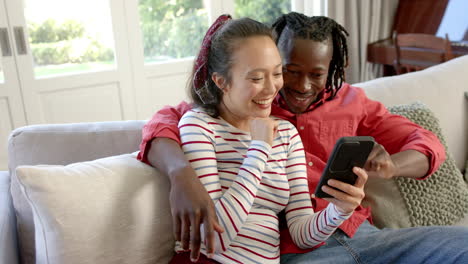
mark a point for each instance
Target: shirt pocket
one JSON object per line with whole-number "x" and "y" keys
{"x": 332, "y": 130}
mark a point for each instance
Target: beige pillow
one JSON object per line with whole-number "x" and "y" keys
{"x": 111, "y": 210}
{"x": 442, "y": 199}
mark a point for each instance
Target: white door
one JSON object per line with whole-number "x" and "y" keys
{"x": 11, "y": 104}
{"x": 74, "y": 60}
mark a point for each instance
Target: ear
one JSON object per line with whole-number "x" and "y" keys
{"x": 220, "y": 81}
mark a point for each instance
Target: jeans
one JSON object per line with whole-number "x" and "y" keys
{"x": 434, "y": 244}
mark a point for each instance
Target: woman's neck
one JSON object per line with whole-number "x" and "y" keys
{"x": 236, "y": 121}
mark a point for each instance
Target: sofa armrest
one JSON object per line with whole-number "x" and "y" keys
{"x": 8, "y": 240}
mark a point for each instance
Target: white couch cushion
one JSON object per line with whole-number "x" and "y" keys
{"x": 442, "y": 89}
{"x": 111, "y": 210}
{"x": 8, "y": 244}
{"x": 62, "y": 144}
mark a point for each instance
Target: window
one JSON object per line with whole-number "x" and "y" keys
{"x": 454, "y": 22}
{"x": 73, "y": 36}
{"x": 175, "y": 29}
{"x": 172, "y": 29}
{"x": 266, "y": 11}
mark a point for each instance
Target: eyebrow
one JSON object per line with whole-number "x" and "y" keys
{"x": 297, "y": 65}
{"x": 263, "y": 69}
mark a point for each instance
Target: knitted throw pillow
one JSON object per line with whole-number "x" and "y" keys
{"x": 466, "y": 170}
{"x": 466, "y": 166}
{"x": 441, "y": 199}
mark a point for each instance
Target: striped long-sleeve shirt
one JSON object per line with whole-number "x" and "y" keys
{"x": 250, "y": 182}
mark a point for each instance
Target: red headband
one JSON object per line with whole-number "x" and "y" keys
{"x": 200, "y": 67}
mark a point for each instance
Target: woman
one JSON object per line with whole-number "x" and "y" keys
{"x": 252, "y": 165}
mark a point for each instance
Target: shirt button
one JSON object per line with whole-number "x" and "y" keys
{"x": 311, "y": 163}
{"x": 301, "y": 127}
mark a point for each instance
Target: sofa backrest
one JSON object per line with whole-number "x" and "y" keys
{"x": 442, "y": 88}
{"x": 62, "y": 144}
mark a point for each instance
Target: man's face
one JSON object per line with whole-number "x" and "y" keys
{"x": 305, "y": 64}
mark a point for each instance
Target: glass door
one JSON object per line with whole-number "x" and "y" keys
{"x": 71, "y": 38}
{"x": 166, "y": 36}
{"x": 266, "y": 11}
{"x": 73, "y": 60}
{"x": 11, "y": 104}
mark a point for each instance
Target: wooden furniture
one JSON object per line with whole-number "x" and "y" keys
{"x": 414, "y": 16}
{"x": 409, "y": 62}
{"x": 383, "y": 52}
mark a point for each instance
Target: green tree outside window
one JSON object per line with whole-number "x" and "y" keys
{"x": 172, "y": 29}
{"x": 266, "y": 11}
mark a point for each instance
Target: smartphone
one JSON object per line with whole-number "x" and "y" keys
{"x": 348, "y": 152}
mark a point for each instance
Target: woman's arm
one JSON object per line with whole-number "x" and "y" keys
{"x": 234, "y": 205}
{"x": 307, "y": 228}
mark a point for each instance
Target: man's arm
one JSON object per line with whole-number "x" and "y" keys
{"x": 190, "y": 203}
{"x": 408, "y": 163}
{"x": 404, "y": 148}
{"x": 411, "y": 163}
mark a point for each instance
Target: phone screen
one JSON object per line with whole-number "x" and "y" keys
{"x": 348, "y": 152}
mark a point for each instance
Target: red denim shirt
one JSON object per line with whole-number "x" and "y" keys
{"x": 350, "y": 113}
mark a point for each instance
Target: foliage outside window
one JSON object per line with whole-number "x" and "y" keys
{"x": 54, "y": 43}
{"x": 172, "y": 29}
{"x": 266, "y": 11}
{"x": 175, "y": 29}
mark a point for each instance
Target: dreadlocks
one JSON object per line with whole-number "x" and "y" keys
{"x": 319, "y": 28}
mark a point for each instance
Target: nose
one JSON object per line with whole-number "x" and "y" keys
{"x": 305, "y": 84}
{"x": 273, "y": 85}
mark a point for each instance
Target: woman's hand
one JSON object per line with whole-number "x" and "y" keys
{"x": 347, "y": 197}
{"x": 263, "y": 129}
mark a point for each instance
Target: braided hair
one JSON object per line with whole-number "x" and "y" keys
{"x": 319, "y": 28}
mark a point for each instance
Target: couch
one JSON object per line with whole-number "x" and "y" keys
{"x": 440, "y": 88}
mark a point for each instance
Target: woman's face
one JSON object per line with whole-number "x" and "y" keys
{"x": 306, "y": 65}
{"x": 255, "y": 79}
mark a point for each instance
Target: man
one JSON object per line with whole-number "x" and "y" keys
{"x": 323, "y": 108}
